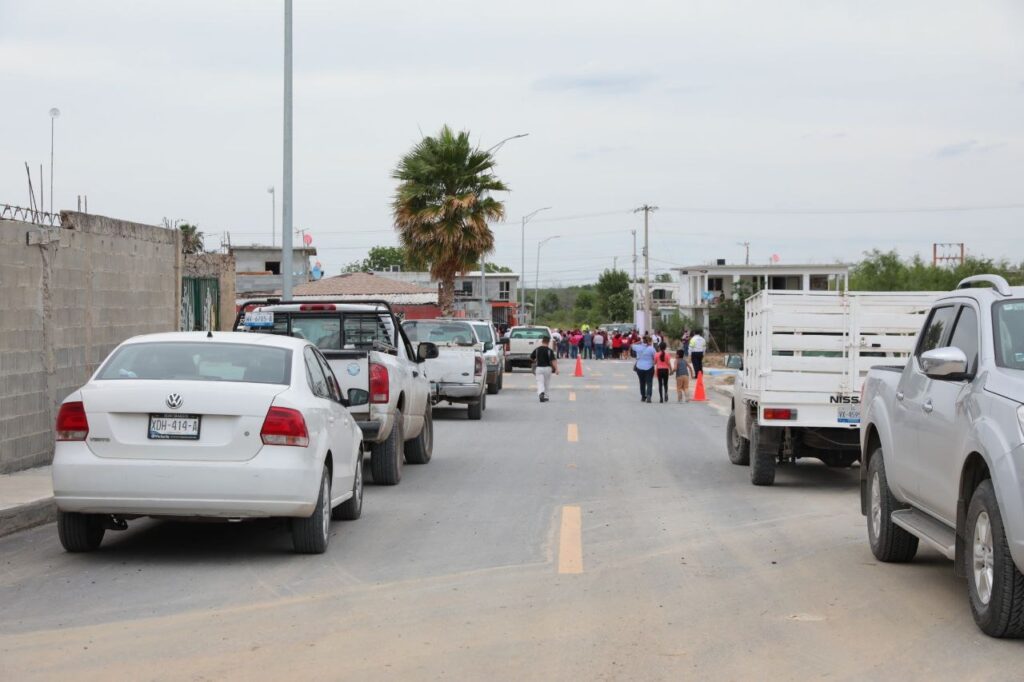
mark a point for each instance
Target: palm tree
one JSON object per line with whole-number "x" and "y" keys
{"x": 191, "y": 238}
{"x": 443, "y": 204}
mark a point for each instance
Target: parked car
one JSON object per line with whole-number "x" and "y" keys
{"x": 943, "y": 449}
{"x": 805, "y": 355}
{"x": 520, "y": 343}
{"x": 201, "y": 425}
{"x": 457, "y": 372}
{"x": 367, "y": 349}
{"x": 494, "y": 354}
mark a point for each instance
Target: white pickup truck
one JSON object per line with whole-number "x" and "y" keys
{"x": 366, "y": 348}
{"x": 943, "y": 449}
{"x": 805, "y": 355}
{"x": 520, "y": 343}
{"x": 456, "y": 373}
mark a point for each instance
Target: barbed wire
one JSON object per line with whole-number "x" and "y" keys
{"x": 28, "y": 215}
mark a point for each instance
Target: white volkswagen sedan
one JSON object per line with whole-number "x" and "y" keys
{"x": 196, "y": 425}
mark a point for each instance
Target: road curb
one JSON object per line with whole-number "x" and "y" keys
{"x": 724, "y": 390}
{"x": 22, "y": 516}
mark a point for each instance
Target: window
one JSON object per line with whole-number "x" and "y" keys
{"x": 322, "y": 331}
{"x": 716, "y": 283}
{"x": 315, "y": 374}
{"x": 466, "y": 288}
{"x": 504, "y": 291}
{"x": 1008, "y": 323}
{"x": 935, "y": 331}
{"x": 365, "y": 330}
{"x": 332, "y": 381}
{"x": 965, "y": 336}
{"x": 190, "y": 361}
{"x": 273, "y": 267}
{"x": 529, "y": 333}
{"x": 483, "y": 331}
{"x": 458, "y": 333}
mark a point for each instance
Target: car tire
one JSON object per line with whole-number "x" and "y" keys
{"x": 386, "y": 458}
{"x": 420, "y": 449}
{"x": 990, "y": 569}
{"x": 79, "y": 532}
{"x": 483, "y": 401}
{"x": 737, "y": 446}
{"x": 310, "y": 534}
{"x": 762, "y": 462}
{"x": 352, "y": 508}
{"x": 501, "y": 381}
{"x": 492, "y": 389}
{"x": 508, "y": 366}
{"x": 888, "y": 542}
{"x": 476, "y": 410}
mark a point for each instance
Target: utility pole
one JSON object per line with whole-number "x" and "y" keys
{"x": 633, "y": 232}
{"x": 54, "y": 113}
{"x": 647, "y": 208}
{"x": 286, "y": 199}
{"x": 746, "y": 245}
{"x": 522, "y": 271}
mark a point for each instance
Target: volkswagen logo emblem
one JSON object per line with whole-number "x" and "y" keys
{"x": 174, "y": 401}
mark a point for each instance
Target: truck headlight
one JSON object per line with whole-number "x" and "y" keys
{"x": 492, "y": 359}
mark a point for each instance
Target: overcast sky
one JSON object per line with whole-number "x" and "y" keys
{"x": 806, "y": 128}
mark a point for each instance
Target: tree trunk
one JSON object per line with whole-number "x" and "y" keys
{"x": 446, "y": 295}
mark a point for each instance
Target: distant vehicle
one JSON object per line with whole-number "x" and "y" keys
{"x": 493, "y": 351}
{"x": 620, "y": 327}
{"x": 943, "y": 447}
{"x": 226, "y": 426}
{"x": 805, "y": 355}
{"x": 365, "y": 346}
{"x": 457, "y": 373}
{"x": 520, "y": 342}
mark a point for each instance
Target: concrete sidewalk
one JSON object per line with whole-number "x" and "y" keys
{"x": 26, "y": 500}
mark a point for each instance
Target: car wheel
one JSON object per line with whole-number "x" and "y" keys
{"x": 737, "y": 445}
{"x": 352, "y": 508}
{"x": 762, "y": 461}
{"x": 483, "y": 401}
{"x": 994, "y": 585}
{"x": 508, "y": 366}
{"x": 889, "y": 542}
{"x": 501, "y": 381}
{"x": 386, "y": 458}
{"x": 309, "y": 535}
{"x": 476, "y": 410}
{"x": 420, "y": 449}
{"x": 79, "y": 532}
{"x": 492, "y": 388}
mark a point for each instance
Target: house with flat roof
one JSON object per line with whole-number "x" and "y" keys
{"x": 258, "y": 269}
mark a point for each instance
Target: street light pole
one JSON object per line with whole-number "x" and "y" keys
{"x": 646, "y": 208}
{"x": 286, "y": 204}
{"x": 273, "y": 215}
{"x": 522, "y": 271}
{"x": 54, "y": 113}
{"x": 498, "y": 146}
{"x": 536, "y": 281}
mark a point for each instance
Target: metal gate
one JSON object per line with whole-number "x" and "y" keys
{"x": 200, "y": 304}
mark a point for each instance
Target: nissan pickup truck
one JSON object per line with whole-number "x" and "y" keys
{"x": 457, "y": 372}
{"x": 494, "y": 354}
{"x": 365, "y": 346}
{"x": 520, "y": 343}
{"x": 942, "y": 446}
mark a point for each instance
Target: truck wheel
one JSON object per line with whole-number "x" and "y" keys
{"x": 476, "y": 409}
{"x": 889, "y": 542}
{"x": 994, "y": 585}
{"x": 420, "y": 449}
{"x": 508, "y": 366}
{"x": 386, "y": 458}
{"x": 309, "y": 535}
{"x": 493, "y": 388}
{"x": 79, "y": 532}
{"x": 352, "y": 508}
{"x": 762, "y": 463}
{"x": 483, "y": 401}
{"x": 737, "y": 445}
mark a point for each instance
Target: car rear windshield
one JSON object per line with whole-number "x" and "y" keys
{"x": 1008, "y": 322}
{"x": 528, "y": 333}
{"x": 191, "y": 361}
{"x": 458, "y": 333}
{"x": 484, "y": 332}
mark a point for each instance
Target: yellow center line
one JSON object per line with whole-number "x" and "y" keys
{"x": 573, "y": 433}
{"x": 570, "y": 541}
{"x": 572, "y": 396}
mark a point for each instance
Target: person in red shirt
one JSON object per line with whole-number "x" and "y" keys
{"x": 616, "y": 345}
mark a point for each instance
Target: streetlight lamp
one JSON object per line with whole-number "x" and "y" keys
{"x": 54, "y": 113}
{"x": 273, "y": 215}
{"x": 498, "y": 146}
{"x": 536, "y": 281}
{"x": 522, "y": 271}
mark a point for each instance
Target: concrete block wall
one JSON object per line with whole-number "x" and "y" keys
{"x": 64, "y": 305}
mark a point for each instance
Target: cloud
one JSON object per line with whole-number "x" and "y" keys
{"x": 595, "y": 83}
{"x": 957, "y": 149}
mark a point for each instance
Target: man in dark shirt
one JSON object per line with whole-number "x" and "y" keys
{"x": 544, "y": 365}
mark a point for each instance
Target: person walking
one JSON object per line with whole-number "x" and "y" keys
{"x": 599, "y": 344}
{"x": 697, "y": 347}
{"x": 645, "y": 367}
{"x": 544, "y": 365}
{"x": 682, "y": 375}
{"x": 663, "y": 366}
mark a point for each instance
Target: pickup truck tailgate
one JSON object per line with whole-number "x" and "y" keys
{"x": 453, "y": 365}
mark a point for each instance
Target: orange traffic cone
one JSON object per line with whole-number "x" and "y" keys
{"x": 579, "y": 367}
{"x": 698, "y": 391}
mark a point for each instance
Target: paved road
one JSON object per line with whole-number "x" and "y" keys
{"x": 594, "y": 537}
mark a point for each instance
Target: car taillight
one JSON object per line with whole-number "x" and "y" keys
{"x": 779, "y": 413}
{"x": 284, "y": 426}
{"x": 478, "y": 366}
{"x": 72, "y": 423}
{"x": 380, "y": 387}
{"x": 317, "y": 306}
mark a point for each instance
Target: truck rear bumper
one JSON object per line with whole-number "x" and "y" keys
{"x": 460, "y": 392}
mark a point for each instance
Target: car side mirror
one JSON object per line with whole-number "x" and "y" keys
{"x": 944, "y": 363}
{"x": 357, "y": 396}
{"x": 505, "y": 341}
{"x": 488, "y": 345}
{"x": 426, "y": 351}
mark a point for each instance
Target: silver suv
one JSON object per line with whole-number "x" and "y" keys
{"x": 943, "y": 448}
